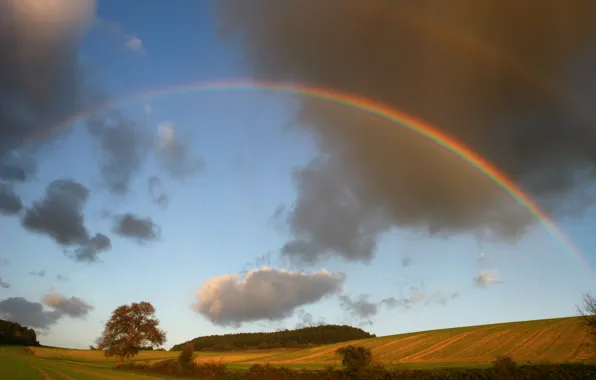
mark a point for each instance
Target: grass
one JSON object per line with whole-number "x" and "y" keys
{"x": 554, "y": 340}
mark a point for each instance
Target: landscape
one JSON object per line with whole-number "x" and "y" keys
{"x": 539, "y": 342}
{"x": 298, "y": 189}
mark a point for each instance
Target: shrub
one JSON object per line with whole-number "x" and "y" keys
{"x": 355, "y": 358}
{"x": 505, "y": 367}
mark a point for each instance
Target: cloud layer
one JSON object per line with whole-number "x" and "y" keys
{"x": 262, "y": 294}
{"x": 457, "y": 67}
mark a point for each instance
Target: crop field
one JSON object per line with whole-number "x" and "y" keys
{"x": 554, "y": 340}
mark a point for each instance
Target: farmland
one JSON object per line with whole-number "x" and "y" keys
{"x": 554, "y": 340}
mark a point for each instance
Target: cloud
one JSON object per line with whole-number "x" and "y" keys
{"x": 61, "y": 277}
{"x": 147, "y": 109}
{"x": 132, "y": 226}
{"x": 406, "y": 261}
{"x": 487, "y": 277}
{"x": 418, "y": 58}
{"x": 135, "y": 44}
{"x": 10, "y": 203}
{"x": 360, "y": 308}
{"x": 3, "y": 284}
{"x": 264, "y": 293}
{"x": 60, "y": 215}
{"x": 31, "y": 314}
{"x": 124, "y": 146}
{"x": 173, "y": 153}
{"x": 306, "y": 319}
{"x": 482, "y": 258}
{"x": 117, "y": 32}
{"x": 10, "y": 172}
{"x": 417, "y": 295}
{"x": 41, "y": 273}
{"x": 157, "y": 192}
{"x": 41, "y": 80}
{"x": 73, "y": 307}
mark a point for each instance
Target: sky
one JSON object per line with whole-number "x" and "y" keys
{"x": 249, "y": 211}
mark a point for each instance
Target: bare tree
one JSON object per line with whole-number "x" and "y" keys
{"x": 588, "y": 312}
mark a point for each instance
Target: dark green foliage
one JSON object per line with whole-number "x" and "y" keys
{"x": 316, "y": 335}
{"x": 15, "y": 334}
{"x": 355, "y": 358}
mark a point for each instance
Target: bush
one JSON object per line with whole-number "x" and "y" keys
{"x": 355, "y": 358}
{"x": 505, "y": 367}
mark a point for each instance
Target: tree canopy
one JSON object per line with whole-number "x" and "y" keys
{"x": 315, "y": 335}
{"x": 13, "y": 333}
{"x": 130, "y": 328}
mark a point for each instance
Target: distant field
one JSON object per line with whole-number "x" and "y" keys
{"x": 554, "y": 340}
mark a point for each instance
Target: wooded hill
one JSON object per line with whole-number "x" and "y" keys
{"x": 308, "y": 336}
{"x": 13, "y": 333}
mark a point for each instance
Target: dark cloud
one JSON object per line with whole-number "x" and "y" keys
{"x": 41, "y": 81}
{"x": 486, "y": 277}
{"x": 157, "y": 192}
{"x": 360, "y": 308}
{"x": 60, "y": 215}
{"x": 132, "y": 226}
{"x": 174, "y": 154}
{"x": 352, "y": 233}
{"x": 3, "y": 284}
{"x": 30, "y": 314}
{"x": 124, "y": 146}
{"x": 73, "y": 307}
{"x": 40, "y": 273}
{"x": 61, "y": 277}
{"x": 262, "y": 294}
{"x": 306, "y": 319}
{"x": 10, "y": 203}
{"x": 12, "y": 173}
{"x": 419, "y": 57}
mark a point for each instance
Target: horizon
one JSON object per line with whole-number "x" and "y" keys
{"x": 253, "y": 211}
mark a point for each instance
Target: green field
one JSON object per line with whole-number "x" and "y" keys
{"x": 554, "y": 340}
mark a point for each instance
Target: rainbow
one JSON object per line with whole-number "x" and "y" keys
{"x": 369, "y": 106}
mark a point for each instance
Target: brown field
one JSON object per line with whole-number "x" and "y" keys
{"x": 554, "y": 340}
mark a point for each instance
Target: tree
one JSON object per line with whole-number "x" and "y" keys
{"x": 355, "y": 358}
{"x": 130, "y": 328}
{"x": 588, "y": 312}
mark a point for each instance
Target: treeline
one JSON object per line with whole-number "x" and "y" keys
{"x": 307, "y": 336}
{"x": 15, "y": 334}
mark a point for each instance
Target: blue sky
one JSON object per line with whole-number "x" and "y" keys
{"x": 221, "y": 218}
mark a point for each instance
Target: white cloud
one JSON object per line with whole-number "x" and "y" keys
{"x": 487, "y": 277}
{"x": 135, "y": 44}
{"x": 263, "y": 293}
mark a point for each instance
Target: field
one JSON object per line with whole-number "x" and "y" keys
{"x": 554, "y": 340}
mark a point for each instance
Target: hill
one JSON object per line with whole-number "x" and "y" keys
{"x": 13, "y": 333}
{"x": 561, "y": 339}
{"x": 304, "y": 337}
